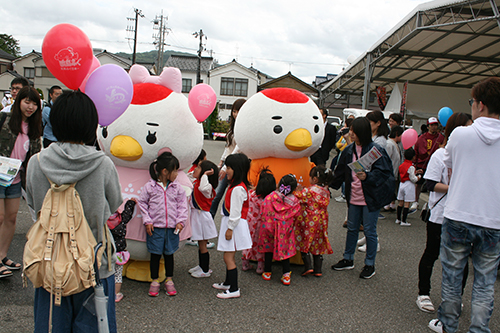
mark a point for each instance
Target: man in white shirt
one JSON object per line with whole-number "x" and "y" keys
{"x": 472, "y": 213}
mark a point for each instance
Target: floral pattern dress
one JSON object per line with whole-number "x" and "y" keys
{"x": 254, "y": 222}
{"x": 311, "y": 226}
{"x": 276, "y": 233}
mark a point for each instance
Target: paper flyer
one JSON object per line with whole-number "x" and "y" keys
{"x": 364, "y": 163}
{"x": 9, "y": 167}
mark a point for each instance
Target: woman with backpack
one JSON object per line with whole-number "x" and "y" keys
{"x": 74, "y": 159}
{"x": 20, "y": 133}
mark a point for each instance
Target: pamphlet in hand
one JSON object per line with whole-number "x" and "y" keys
{"x": 9, "y": 167}
{"x": 366, "y": 161}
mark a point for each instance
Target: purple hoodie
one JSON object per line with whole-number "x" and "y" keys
{"x": 163, "y": 208}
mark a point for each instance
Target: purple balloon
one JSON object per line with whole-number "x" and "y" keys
{"x": 111, "y": 90}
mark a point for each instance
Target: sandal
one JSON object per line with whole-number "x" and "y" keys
{"x": 4, "y": 272}
{"x": 13, "y": 265}
{"x": 118, "y": 297}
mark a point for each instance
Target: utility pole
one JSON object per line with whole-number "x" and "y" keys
{"x": 138, "y": 13}
{"x": 160, "y": 24}
{"x": 200, "y": 49}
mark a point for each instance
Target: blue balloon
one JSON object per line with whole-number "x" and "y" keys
{"x": 444, "y": 114}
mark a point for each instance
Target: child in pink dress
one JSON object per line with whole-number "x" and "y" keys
{"x": 276, "y": 237}
{"x": 265, "y": 186}
{"x": 311, "y": 226}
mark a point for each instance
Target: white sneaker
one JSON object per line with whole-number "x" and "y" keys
{"x": 405, "y": 224}
{"x": 198, "y": 268}
{"x": 221, "y": 286}
{"x": 363, "y": 248}
{"x": 210, "y": 245}
{"x": 340, "y": 198}
{"x": 201, "y": 274}
{"x": 398, "y": 221}
{"x": 362, "y": 241}
{"x": 191, "y": 242}
{"x": 424, "y": 303}
{"x": 228, "y": 294}
{"x": 436, "y": 325}
{"x": 194, "y": 269}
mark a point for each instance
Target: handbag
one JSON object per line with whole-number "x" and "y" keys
{"x": 425, "y": 214}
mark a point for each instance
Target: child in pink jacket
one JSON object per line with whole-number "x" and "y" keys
{"x": 164, "y": 209}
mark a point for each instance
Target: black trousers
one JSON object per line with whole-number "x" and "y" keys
{"x": 431, "y": 254}
{"x": 154, "y": 265}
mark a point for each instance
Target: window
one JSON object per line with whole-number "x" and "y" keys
{"x": 240, "y": 87}
{"x": 234, "y": 87}
{"x": 186, "y": 85}
{"x": 226, "y": 86}
{"x": 29, "y": 73}
{"x": 46, "y": 72}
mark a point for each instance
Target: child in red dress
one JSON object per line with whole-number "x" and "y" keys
{"x": 265, "y": 186}
{"x": 311, "y": 226}
{"x": 276, "y": 237}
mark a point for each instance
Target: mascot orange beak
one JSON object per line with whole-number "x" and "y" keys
{"x": 125, "y": 148}
{"x": 298, "y": 140}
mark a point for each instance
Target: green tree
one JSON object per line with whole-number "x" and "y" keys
{"x": 10, "y": 45}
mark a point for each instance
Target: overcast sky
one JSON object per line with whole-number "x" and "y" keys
{"x": 308, "y": 38}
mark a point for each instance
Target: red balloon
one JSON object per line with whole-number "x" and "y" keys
{"x": 67, "y": 53}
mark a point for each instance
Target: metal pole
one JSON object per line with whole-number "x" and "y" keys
{"x": 366, "y": 87}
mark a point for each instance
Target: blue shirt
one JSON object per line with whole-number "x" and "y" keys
{"x": 47, "y": 130}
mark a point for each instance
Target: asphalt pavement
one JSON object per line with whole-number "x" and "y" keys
{"x": 336, "y": 302}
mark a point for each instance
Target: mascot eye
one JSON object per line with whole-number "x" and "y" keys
{"x": 315, "y": 117}
{"x": 316, "y": 129}
{"x": 151, "y": 138}
{"x": 278, "y": 129}
{"x": 105, "y": 132}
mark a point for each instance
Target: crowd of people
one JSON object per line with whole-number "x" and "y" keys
{"x": 274, "y": 219}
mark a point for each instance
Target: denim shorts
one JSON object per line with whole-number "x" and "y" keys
{"x": 162, "y": 241}
{"x": 10, "y": 192}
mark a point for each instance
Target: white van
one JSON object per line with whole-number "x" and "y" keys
{"x": 361, "y": 113}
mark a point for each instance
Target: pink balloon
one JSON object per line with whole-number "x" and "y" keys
{"x": 202, "y": 101}
{"x": 111, "y": 90}
{"x": 95, "y": 65}
{"x": 67, "y": 53}
{"x": 409, "y": 138}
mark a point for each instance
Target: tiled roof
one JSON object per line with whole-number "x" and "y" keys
{"x": 189, "y": 63}
{"x": 5, "y": 55}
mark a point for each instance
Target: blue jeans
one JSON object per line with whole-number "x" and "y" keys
{"x": 458, "y": 239}
{"x": 72, "y": 316}
{"x": 219, "y": 193}
{"x": 356, "y": 215}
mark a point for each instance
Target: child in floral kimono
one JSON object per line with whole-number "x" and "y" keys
{"x": 276, "y": 238}
{"x": 311, "y": 226}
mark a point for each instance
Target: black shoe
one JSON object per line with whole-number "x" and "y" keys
{"x": 343, "y": 264}
{"x": 367, "y": 272}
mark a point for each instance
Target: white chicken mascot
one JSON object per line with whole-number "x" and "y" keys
{"x": 279, "y": 128}
{"x": 158, "y": 120}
